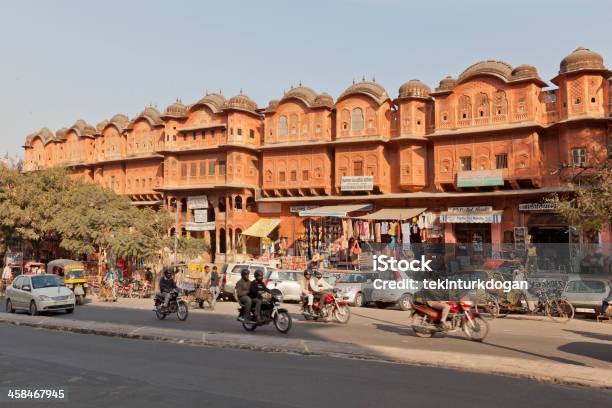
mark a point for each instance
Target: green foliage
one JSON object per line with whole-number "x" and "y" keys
{"x": 84, "y": 217}
{"x": 192, "y": 247}
{"x": 589, "y": 207}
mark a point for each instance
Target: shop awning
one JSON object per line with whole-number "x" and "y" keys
{"x": 262, "y": 228}
{"x": 393, "y": 214}
{"x": 484, "y": 217}
{"x": 335, "y": 210}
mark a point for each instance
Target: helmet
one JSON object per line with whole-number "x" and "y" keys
{"x": 258, "y": 274}
{"x": 319, "y": 274}
{"x": 307, "y": 273}
{"x": 167, "y": 272}
{"x": 244, "y": 273}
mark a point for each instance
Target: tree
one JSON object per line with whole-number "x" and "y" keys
{"x": 29, "y": 203}
{"x": 144, "y": 237}
{"x": 588, "y": 205}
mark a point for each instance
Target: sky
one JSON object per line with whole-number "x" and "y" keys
{"x": 66, "y": 60}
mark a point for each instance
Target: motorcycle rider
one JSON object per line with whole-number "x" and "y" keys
{"x": 167, "y": 285}
{"x": 435, "y": 300}
{"x": 306, "y": 290}
{"x": 243, "y": 286}
{"x": 256, "y": 292}
{"x": 319, "y": 286}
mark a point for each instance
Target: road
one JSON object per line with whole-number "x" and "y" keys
{"x": 580, "y": 342}
{"x": 100, "y": 371}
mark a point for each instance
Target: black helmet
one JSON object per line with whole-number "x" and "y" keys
{"x": 258, "y": 274}
{"x": 319, "y": 274}
{"x": 307, "y": 273}
{"x": 167, "y": 272}
{"x": 244, "y": 273}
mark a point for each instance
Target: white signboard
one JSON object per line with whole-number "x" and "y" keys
{"x": 469, "y": 210}
{"x": 197, "y": 202}
{"x": 357, "y": 183}
{"x": 537, "y": 207}
{"x": 295, "y": 209}
{"x": 200, "y": 216}
{"x": 200, "y": 226}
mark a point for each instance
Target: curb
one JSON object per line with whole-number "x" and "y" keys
{"x": 541, "y": 371}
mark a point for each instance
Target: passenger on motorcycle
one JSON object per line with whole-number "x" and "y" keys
{"x": 257, "y": 292}
{"x": 320, "y": 286}
{"x": 306, "y": 290}
{"x": 243, "y": 287}
{"x": 436, "y": 299}
{"x": 167, "y": 285}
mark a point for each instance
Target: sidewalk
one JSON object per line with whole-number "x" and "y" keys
{"x": 545, "y": 371}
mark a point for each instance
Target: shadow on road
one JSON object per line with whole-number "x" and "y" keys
{"x": 597, "y": 351}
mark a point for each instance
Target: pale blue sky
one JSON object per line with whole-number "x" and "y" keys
{"x": 64, "y": 60}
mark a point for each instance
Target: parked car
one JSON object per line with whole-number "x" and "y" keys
{"x": 39, "y": 293}
{"x": 385, "y": 297}
{"x": 354, "y": 286}
{"x": 287, "y": 281}
{"x": 230, "y": 274}
{"x": 585, "y": 292}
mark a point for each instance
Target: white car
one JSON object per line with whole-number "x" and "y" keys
{"x": 39, "y": 293}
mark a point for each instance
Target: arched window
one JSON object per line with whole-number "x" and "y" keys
{"x": 282, "y": 126}
{"x": 357, "y": 119}
{"x": 238, "y": 203}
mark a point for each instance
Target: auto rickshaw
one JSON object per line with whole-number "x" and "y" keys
{"x": 73, "y": 274}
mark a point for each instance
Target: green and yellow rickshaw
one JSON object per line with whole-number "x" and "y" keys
{"x": 73, "y": 274}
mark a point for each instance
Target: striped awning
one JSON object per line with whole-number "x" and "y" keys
{"x": 393, "y": 214}
{"x": 262, "y": 227}
{"x": 335, "y": 210}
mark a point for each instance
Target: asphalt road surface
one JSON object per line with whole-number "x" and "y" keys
{"x": 579, "y": 342}
{"x": 99, "y": 371}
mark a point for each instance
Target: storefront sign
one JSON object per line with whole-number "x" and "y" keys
{"x": 294, "y": 209}
{"x": 200, "y": 226}
{"x": 357, "y": 183}
{"x": 537, "y": 207}
{"x": 269, "y": 208}
{"x": 480, "y": 178}
{"x": 468, "y": 210}
{"x": 200, "y": 216}
{"x": 485, "y": 218}
{"x": 197, "y": 202}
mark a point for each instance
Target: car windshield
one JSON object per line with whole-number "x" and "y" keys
{"x": 75, "y": 274}
{"x": 351, "y": 278}
{"x": 46, "y": 281}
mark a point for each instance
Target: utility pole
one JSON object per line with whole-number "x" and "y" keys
{"x": 176, "y": 227}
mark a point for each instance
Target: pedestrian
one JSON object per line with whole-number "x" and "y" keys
{"x": 214, "y": 284}
{"x": 7, "y": 277}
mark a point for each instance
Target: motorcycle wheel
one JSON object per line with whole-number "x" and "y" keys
{"x": 307, "y": 316}
{"x": 159, "y": 314}
{"x": 182, "y": 310}
{"x": 249, "y": 326}
{"x": 476, "y": 329}
{"x": 342, "y": 314}
{"x": 282, "y": 322}
{"x": 420, "y": 325}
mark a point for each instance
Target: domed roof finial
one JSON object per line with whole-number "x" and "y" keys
{"x": 220, "y": 92}
{"x": 353, "y": 81}
{"x": 373, "y": 78}
{"x": 363, "y": 78}
{"x": 206, "y": 92}
{"x": 240, "y": 91}
{"x": 300, "y": 83}
{"x": 291, "y": 87}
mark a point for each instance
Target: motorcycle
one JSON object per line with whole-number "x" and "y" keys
{"x": 332, "y": 307}
{"x": 270, "y": 313}
{"x": 425, "y": 320}
{"x": 175, "y": 305}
